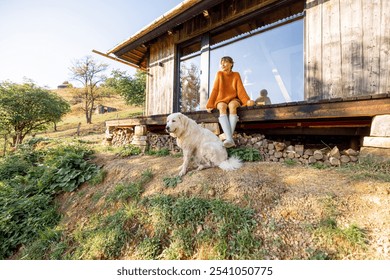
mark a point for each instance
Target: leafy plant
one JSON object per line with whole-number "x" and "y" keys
{"x": 23, "y": 217}
{"x": 171, "y": 182}
{"x": 129, "y": 150}
{"x": 290, "y": 162}
{"x": 27, "y": 197}
{"x": 245, "y": 154}
{"x": 160, "y": 153}
{"x": 67, "y": 169}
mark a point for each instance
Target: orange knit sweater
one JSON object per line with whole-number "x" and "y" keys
{"x": 227, "y": 86}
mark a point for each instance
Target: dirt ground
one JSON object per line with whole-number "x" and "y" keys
{"x": 289, "y": 201}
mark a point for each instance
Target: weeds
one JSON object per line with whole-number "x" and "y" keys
{"x": 160, "y": 153}
{"x": 124, "y": 191}
{"x": 245, "y": 154}
{"x": 194, "y": 223}
{"x": 129, "y": 150}
{"x": 368, "y": 168}
{"x": 171, "y": 182}
{"x": 290, "y": 162}
{"x": 334, "y": 241}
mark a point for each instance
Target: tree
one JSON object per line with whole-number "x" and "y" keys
{"x": 132, "y": 89}
{"x": 89, "y": 73}
{"x": 25, "y": 108}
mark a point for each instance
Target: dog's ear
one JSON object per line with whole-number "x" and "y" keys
{"x": 183, "y": 121}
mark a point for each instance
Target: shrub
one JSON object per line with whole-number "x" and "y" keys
{"x": 26, "y": 196}
{"x": 245, "y": 154}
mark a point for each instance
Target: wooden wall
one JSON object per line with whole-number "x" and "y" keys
{"x": 347, "y": 46}
{"x": 347, "y": 51}
{"x": 160, "y": 81}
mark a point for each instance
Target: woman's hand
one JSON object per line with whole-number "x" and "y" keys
{"x": 209, "y": 110}
{"x": 250, "y": 103}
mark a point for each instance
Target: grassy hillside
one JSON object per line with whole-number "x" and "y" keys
{"x": 70, "y": 197}
{"x": 69, "y": 124}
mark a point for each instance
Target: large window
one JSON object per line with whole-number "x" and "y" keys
{"x": 269, "y": 58}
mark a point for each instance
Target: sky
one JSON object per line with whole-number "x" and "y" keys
{"x": 41, "y": 39}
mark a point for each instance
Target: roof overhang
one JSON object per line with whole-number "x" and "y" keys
{"x": 134, "y": 49}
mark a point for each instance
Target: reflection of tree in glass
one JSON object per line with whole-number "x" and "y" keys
{"x": 189, "y": 87}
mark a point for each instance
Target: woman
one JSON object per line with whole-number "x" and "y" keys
{"x": 228, "y": 93}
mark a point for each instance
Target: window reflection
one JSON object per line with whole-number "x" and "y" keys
{"x": 190, "y": 84}
{"x": 272, "y": 60}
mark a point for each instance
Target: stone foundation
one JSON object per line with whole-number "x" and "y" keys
{"x": 377, "y": 145}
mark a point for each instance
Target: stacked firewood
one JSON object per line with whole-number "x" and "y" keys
{"x": 270, "y": 150}
{"x": 121, "y": 136}
{"x": 282, "y": 151}
{"x": 162, "y": 141}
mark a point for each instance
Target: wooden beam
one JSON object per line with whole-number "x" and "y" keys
{"x": 120, "y": 60}
{"x": 327, "y": 110}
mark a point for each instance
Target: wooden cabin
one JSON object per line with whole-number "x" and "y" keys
{"x": 324, "y": 63}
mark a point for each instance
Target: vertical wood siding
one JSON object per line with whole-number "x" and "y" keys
{"x": 160, "y": 79}
{"x": 347, "y": 45}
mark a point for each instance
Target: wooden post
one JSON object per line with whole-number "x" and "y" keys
{"x": 78, "y": 129}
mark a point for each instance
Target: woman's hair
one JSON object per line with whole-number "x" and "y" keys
{"x": 228, "y": 59}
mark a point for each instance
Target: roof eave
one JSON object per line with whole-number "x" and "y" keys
{"x": 181, "y": 13}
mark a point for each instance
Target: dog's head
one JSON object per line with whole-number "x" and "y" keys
{"x": 176, "y": 124}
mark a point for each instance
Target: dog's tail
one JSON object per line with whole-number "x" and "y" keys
{"x": 231, "y": 163}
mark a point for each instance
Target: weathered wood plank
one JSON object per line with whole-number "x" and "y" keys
{"x": 331, "y": 50}
{"x": 160, "y": 97}
{"x": 371, "y": 45}
{"x": 384, "y": 47}
{"x": 351, "y": 32}
{"x": 300, "y": 111}
{"x": 313, "y": 41}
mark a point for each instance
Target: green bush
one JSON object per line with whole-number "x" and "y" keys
{"x": 13, "y": 165}
{"x": 129, "y": 150}
{"x": 22, "y": 217}
{"x": 245, "y": 154}
{"x": 67, "y": 173}
{"x": 29, "y": 180}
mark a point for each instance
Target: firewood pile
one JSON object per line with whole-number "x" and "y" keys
{"x": 161, "y": 141}
{"x": 270, "y": 150}
{"x": 121, "y": 136}
{"x": 282, "y": 151}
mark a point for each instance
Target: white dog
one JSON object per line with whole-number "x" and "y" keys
{"x": 200, "y": 143}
